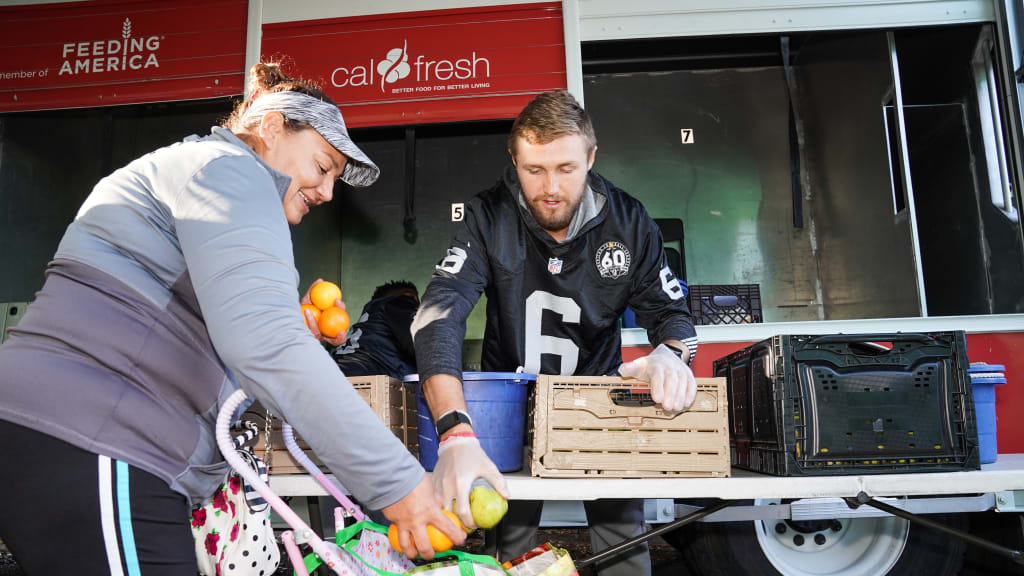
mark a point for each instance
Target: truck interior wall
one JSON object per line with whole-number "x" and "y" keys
{"x": 865, "y": 254}
{"x": 49, "y": 162}
{"x": 940, "y": 106}
{"x": 453, "y": 163}
{"x": 731, "y": 187}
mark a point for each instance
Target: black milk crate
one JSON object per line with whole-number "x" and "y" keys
{"x": 725, "y": 304}
{"x": 851, "y": 404}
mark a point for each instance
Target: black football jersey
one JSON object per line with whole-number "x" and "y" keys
{"x": 380, "y": 341}
{"x": 552, "y": 308}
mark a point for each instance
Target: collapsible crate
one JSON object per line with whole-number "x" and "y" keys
{"x": 725, "y": 304}
{"x": 609, "y": 427}
{"x": 392, "y": 401}
{"x": 851, "y": 404}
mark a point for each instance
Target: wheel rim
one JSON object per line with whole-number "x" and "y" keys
{"x": 844, "y": 547}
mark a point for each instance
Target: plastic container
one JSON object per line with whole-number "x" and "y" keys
{"x": 725, "y": 304}
{"x": 496, "y": 402}
{"x": 806, "y": 405}
{"x": 984, "y": 379}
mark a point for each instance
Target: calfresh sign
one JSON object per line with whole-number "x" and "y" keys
{"x": 433, "y": 66}
{"x": 101, "y": 52}
{"x": 396, "y": 66}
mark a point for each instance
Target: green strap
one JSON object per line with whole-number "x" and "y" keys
{"x": 312, "y": 561}
{"x": 465, "y": 559}
{"x": 349, "y": 532}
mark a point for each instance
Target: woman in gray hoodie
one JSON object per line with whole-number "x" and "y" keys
{"x": 174, "y": 286}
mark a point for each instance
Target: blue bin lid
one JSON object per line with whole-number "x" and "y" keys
{"x": 988, "y": 380}
{"x": 514, "y": 376}
{"x": 983, "y": 367}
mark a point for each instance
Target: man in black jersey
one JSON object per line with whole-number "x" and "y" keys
{"x": 560, "y": 253}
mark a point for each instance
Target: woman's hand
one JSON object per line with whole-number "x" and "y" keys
{"x": 413, "y": 513}
{"x": 311, "y": 320}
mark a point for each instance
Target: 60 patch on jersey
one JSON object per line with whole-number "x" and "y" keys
{"x": 612, "y": 260}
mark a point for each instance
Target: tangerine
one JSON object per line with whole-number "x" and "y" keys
{"x": 333, "y": 321}
{"x": 314, "y": 310}
{"x": 438, "y": 540}
{"x": 323, "y": 294}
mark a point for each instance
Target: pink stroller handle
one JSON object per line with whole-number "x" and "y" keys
{"x": 314, "y": 471}
{"x": 294, "y": 554}
{"x": 329, "y": 553}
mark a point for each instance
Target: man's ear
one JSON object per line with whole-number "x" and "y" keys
{"x": 271, "y": 128}
{"x": 593, "y": 156}
{"x": 512, "y": 155}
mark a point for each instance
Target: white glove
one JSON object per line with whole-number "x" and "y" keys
{"x": 460, "y": 461}
{"x": 672, "y": 382}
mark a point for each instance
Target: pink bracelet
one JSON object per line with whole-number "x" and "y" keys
{"x": 458, "y": 435}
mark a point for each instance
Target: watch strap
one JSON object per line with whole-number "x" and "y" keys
{"x": 451, "y": 419}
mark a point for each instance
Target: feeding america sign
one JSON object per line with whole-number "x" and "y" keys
{"x": 103, "y": 52}
{"x": 432, "y": 66}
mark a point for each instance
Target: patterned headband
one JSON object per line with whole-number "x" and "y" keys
{"x": 327, "y": 120}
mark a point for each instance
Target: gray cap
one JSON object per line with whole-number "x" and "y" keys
{"x": 326, "y": 119}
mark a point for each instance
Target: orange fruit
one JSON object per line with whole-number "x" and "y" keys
{"x": 323, "y": 294}
{"x": 393, "y": 537}
{"x": 314, "y": 310}
{"x": 333, "y": 321}
{"x": 438, "y": 540}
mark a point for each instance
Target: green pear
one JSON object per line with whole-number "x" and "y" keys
{"x": 488, "y": 507}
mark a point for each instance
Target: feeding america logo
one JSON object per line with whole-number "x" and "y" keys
{"x": 397, "y": 66}
{"x": 115, "y": 55}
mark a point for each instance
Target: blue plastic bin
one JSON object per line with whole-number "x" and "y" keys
{"x": 496, "y": 402}
{"x": 984, "y": 388}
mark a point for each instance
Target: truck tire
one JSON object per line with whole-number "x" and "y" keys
{"x": 847, "y": 547}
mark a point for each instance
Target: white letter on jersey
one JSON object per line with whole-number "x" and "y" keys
{"x": 453, "y": 261}
{"x": 670, "y": 284}
{"x": 537, "y": 343}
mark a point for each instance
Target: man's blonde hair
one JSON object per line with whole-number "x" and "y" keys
{"x": 550, "y": 116}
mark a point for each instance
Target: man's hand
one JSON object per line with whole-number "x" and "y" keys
{"x": 412, "y": 514}
{"x": 672, "y": 382}
{"x": 460, "y": 461}
{"x": 311, "y": 321}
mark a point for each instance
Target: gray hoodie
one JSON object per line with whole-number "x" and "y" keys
{"x": 174, "y": 286}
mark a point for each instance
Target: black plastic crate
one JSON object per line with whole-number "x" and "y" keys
{"x": 851, "y": 404}
{"x": 725, "y": 304}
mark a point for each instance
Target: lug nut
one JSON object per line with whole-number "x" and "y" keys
{"x": 836, "y": 525}
{"x": 798, "y": 540}
{"x": 819, "y": 539}
{"x": 780, "y": 528}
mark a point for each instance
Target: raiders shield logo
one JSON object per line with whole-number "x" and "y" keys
{"x": 554, "y": 266}
{"x": 612, "y": 260}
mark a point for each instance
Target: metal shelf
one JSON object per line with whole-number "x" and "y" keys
{"x": 1006, "y": 474}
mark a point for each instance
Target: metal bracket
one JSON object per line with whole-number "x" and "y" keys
{"x": 836, "y": 508}
{"x": 1010, "y": 501}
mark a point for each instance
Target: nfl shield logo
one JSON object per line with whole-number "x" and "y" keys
{"x": 554, "y": 265}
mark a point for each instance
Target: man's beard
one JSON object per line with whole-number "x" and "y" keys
{"x": 557, "y": 221}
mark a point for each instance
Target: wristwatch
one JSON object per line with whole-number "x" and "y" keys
{"x": 677, "y": 351}
{"x": 450, "y": 419}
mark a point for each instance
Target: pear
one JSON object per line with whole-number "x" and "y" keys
{"x": 488, "y": 507}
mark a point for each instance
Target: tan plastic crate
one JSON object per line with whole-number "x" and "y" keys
{"x": 585, "y": 426}
{"x": 392, "y": 401}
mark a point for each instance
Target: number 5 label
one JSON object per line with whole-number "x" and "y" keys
{"x": 458, "y": 211}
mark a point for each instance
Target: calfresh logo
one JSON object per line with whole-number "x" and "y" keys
{"x": 115, "y": 55}
{"x": 394, "y": 67}
{"x": 397, "y": 65}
